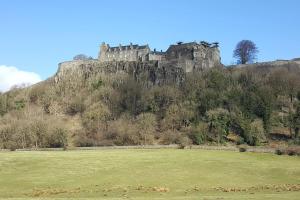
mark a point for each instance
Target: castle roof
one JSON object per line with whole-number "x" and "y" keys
{"x": 157, "y": 52}
{"x": 182, "y": 45}
{"x": 135, "y": 46}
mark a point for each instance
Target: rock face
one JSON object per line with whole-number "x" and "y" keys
{"x": 153, "y": 72}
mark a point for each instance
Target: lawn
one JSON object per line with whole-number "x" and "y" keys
{"x": 148, "y": 174}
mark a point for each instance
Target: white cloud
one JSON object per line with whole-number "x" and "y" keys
{"x": 12, "y": 76}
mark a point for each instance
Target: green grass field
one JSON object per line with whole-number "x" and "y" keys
{"x": 148, "y": 174}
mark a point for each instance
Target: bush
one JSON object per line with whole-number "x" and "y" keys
{"x": 291, "y": 151}
{"x": 170, "y": 137}
{"x": 279, "y": 152}
{"x": 218, "y": 120}
{"x": 146, "y": 127}
{"x": 57, "y": 138}
{"x": 242, "y": 148}
{"x": 75, "y": 106}
{"x": 123, "y": 132}
{"x": 82, "y": 139}
{"x": 183, "y": 142}
{"x": 240, "y": 141}
{"x": 256, "y": 132}
{"x": 36, "y": 93}
{"x": 198, "y": 134}
{"x": 12, "y": 146}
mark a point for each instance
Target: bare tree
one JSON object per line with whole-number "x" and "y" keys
{"x": 82, "y": 57}
{"x": 245, "y": 52}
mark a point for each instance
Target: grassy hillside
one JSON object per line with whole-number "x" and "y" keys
{"x": 85, "y": 106}
{"x": 148, "y": 174}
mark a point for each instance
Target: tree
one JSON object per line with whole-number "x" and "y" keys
{"x": 245, "y": 52}
{"x": 218, "y": 120}
{"x": 130, "y": 98}
{"x": 146, "y": 126}
{"x": 296, "y": 121}
{"x": 3, "y": 104}
{"x": 82, "y": 57}
{"x": 96, "y": 116}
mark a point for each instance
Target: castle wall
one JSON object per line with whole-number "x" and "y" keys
{"x": 188, "y": 56}
{"x": 143, "y": 54}
{"x": 123, "y": 53}
{"x": 153, "y": 56}
{"x": 113, "y": 55}
{"x": 193, "y": 56}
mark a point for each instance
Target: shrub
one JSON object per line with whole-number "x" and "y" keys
{"x": 178, "y": 116}
{"x": 291, "y": 151}
{"x": 75, "y": 106}
{"x": 123, "y": 132}
{"x": 36, "y": 93}
{"x": 218, "y": 120}
{"x": 12, "y": 145}
{"x": 242, "y": 148}
{"x": 57, "y": 138}
{"x": 170, "y": 137}
{"x": 198, "y": 134}
{"x": 279, "y": 152}
{"x": 240, "y": 141}
{"x": 256, "y": 133}
{"x": 20, "y": 104}
{"x": 81, "y": 139}
{"x": 146, "y": 127}
{"x": 183, "y": 142}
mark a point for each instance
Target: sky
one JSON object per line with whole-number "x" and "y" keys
{"x": 37, "y": 35}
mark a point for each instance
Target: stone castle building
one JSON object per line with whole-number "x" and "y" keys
{"x": 127, "y": 53}
{"x": 188, "y": 56}
{"x": 143, "y": 64}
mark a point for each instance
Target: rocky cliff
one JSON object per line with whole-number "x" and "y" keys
{"x": 153, "y": 72}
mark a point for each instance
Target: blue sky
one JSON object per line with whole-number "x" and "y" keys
{"x": 36, "y": 35}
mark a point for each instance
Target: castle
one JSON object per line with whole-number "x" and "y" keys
{"x": 188, "y": 56}
{"x": 140, "y": 62}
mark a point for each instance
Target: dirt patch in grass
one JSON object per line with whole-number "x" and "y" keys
{"x": 46, "y": 192}
{"x": 277, "y": 188}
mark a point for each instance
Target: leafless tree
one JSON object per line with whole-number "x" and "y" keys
{"x": 245, "y": 52}
{"x": 82, "y": 57}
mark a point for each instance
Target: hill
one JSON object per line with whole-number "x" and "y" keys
{"x": 91, "y": 103}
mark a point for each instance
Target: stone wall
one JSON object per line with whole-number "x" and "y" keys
{"x": 188, "y": 56}
{"x": 193, "y": 56}
{"x": 156, "y": 56}
{"x": 123, "y": 53}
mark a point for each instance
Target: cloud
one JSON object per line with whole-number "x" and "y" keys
{"x": 12, "y": 76}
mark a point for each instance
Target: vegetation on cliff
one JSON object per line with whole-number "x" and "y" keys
{"x": 253, "y": 105}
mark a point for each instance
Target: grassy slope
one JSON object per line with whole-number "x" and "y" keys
{"x": 114, "y": 174}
